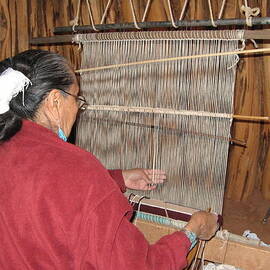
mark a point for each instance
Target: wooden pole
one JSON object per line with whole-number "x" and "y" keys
{"x": 251, "y": 118}
{"x": 161, "y": 24}
{"x": 263, "y": 50}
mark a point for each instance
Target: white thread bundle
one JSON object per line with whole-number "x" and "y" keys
{"x": 194, "y": 155}
{"x": 12, "y": 83}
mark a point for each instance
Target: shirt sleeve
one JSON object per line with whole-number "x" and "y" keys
{"x": 117, "y": 176}
{"x": 133, "y": 250}
{"x": 126, "y": 247}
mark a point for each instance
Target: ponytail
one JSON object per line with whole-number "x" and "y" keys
{"x": 10, "y": 124}
{"x": 46, "y": 71}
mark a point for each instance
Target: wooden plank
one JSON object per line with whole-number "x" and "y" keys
{"x": 5, "y": 28}
{"x": 257, "y": 34}
{"x": 242, "y": 255}
{"x": 243, "y": 162}
{"x": 22, "y": 33}
{"x": 60, "y": 39}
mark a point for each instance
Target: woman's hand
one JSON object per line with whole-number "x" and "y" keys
{"x": 203, "y": 224}
{"x": 143, "y": 179}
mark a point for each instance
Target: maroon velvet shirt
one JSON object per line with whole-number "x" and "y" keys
{"x": 61, "y": 209}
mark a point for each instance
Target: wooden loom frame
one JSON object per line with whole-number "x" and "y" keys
{"x": 153, "y": 232}
{"x": 257, "y": 34}
{"x": 237, "y": 35}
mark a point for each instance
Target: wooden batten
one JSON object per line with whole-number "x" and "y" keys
{"x": 160, "y": 208}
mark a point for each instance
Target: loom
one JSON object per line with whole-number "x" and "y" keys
{"x": 170, "y": 115}
{"x": 149, "y": 110}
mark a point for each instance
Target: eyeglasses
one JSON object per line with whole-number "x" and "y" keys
{"x": 81, "y": 101}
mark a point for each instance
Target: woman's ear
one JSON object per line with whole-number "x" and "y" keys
{"x": 54, "y": 99}
{"x": 52, "y": 107}
{"x": 50, "y": 110}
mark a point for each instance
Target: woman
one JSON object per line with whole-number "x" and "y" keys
{"x": 59, "y": 207}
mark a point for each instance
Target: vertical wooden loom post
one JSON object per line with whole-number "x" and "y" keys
{"x": 243, "y": 164}
{"x": 265, "y": 136}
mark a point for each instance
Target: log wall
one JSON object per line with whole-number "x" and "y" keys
{"x": 248, "y": 167}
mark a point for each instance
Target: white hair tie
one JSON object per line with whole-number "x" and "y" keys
{"x": 12, "y": 82}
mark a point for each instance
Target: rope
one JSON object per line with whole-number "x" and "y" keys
{"x": 211, "y": 13}
{"x": 139, "y": 206}
{"x": 221, "y": 9}
{"x": 249, "y": 12}
{"x": 75, "y": 21}
{"x": 146, "y": 10}
{"x": 91, "y": 15}
{"x": 183, "y": 10}
{"x": 134, "y": 15}
{"x": 171, "y": 14}
{"x": 105, "y": 12}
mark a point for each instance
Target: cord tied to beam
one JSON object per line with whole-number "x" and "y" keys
{"x": 171, "y": 14}
{"x": 75, "y": 21}
{"x": 91, "y": 16}
{"x": 134, "y": 15}
{"x": 249, "y": 12}
{"x": 211, "y": 13}
{"x": 183, "y": 10}
{"x": 105, "y": 11}
{"x": 146, "y": 10}
{"x": 222, "y": 9}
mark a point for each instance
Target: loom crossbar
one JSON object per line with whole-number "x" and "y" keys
{"x": 62, "y": 39}
{"x": 161, "y": 24}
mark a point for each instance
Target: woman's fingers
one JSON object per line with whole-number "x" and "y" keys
{"x": 151, "y": 187}
{"x": 156, "y": 176}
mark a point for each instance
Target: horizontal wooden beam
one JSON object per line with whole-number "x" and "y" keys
{"x": 62, "y": 39}
{"x": 257, "y": 34}
{"x": 161, "y": 24}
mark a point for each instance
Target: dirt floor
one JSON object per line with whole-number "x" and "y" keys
{"x": 248, "y": 215}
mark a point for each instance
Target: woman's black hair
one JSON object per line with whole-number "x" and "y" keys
{"x": 46, "y": 71}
